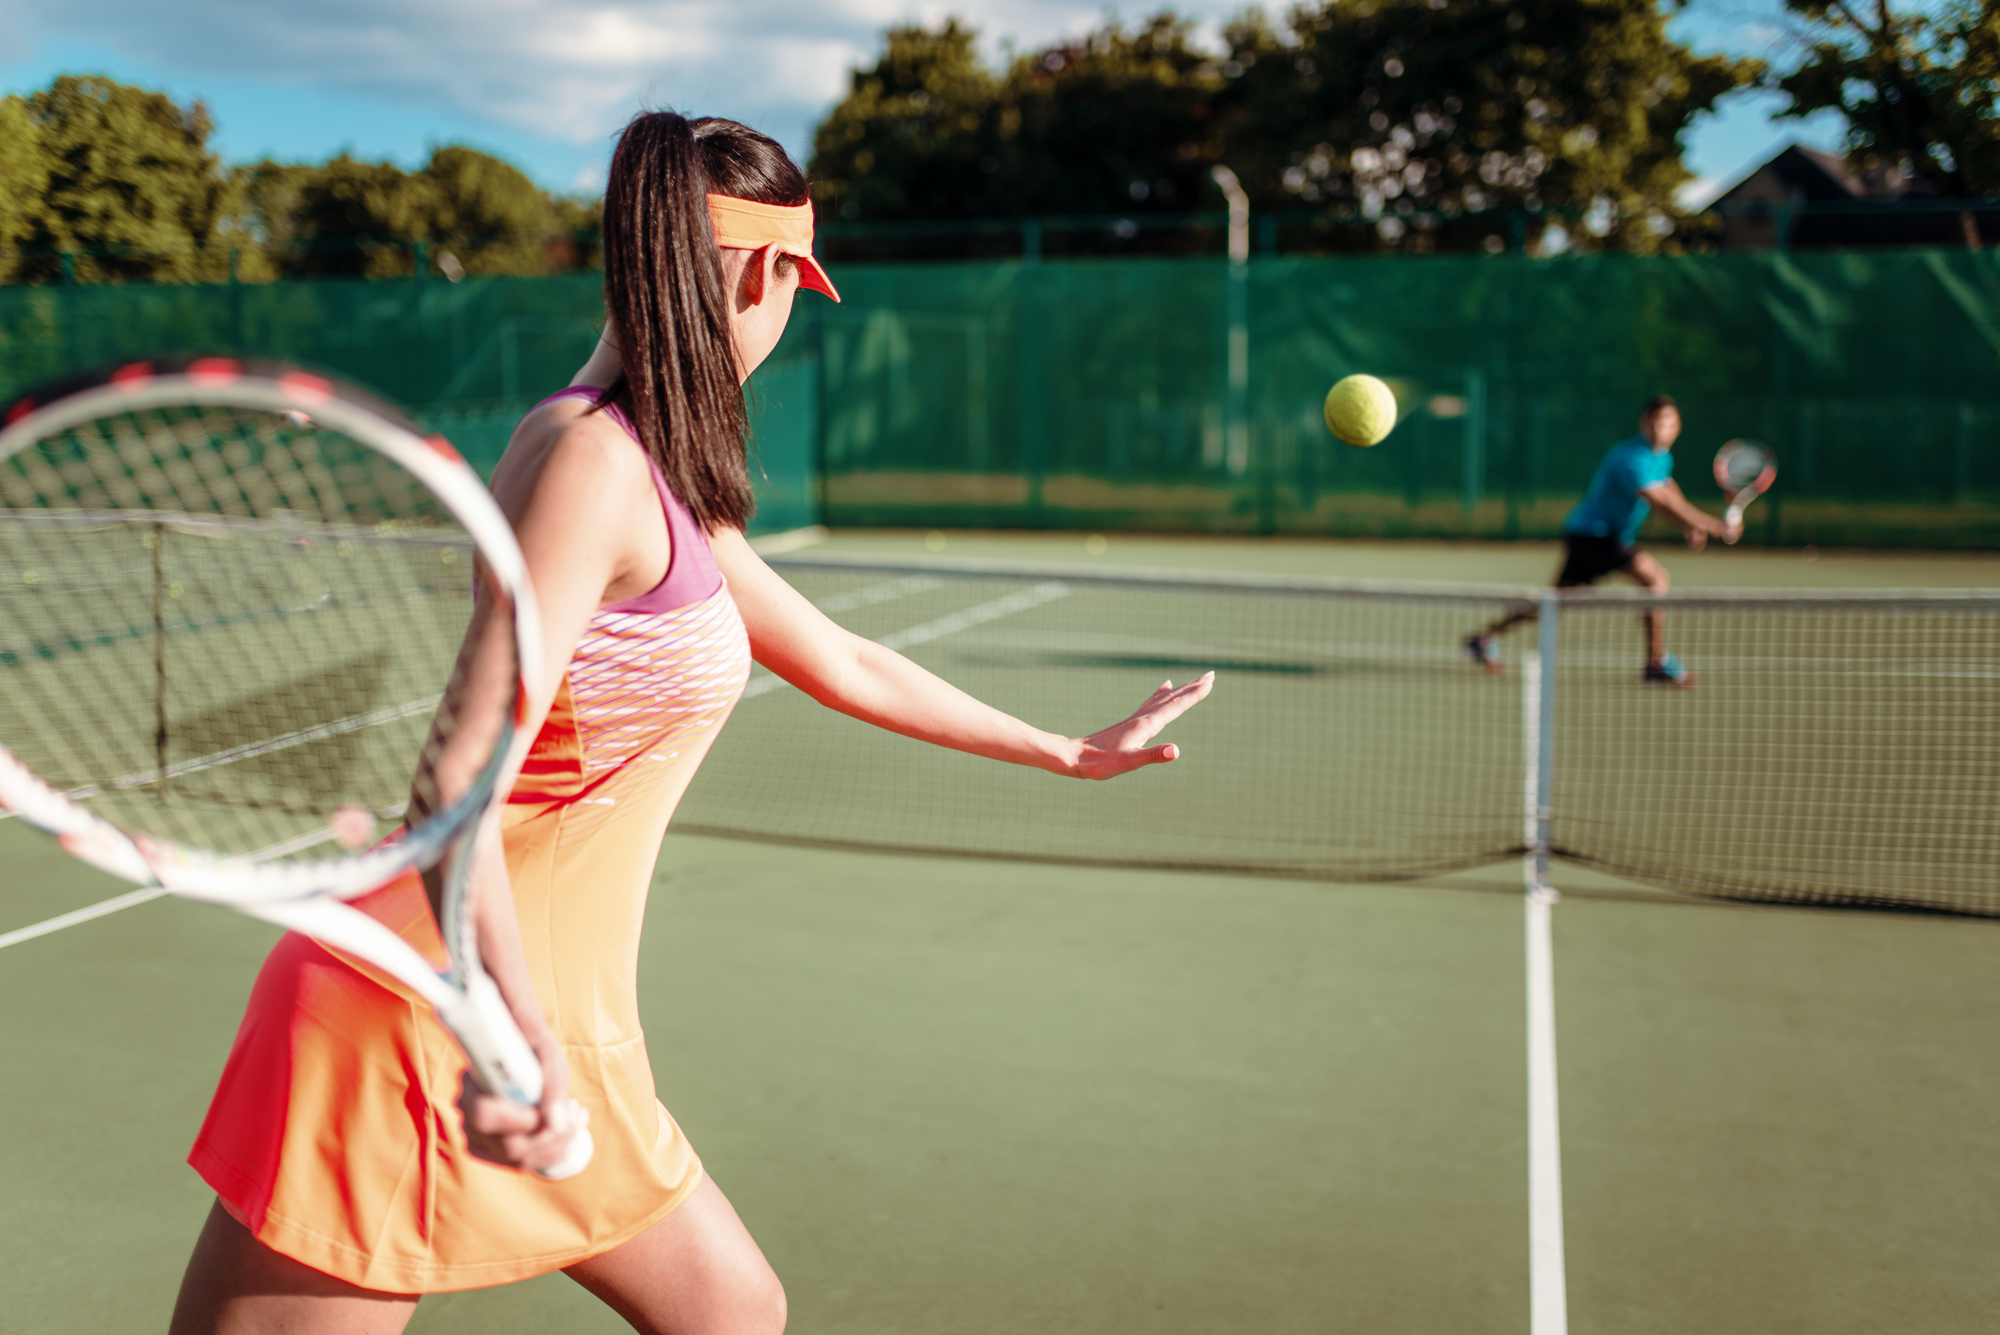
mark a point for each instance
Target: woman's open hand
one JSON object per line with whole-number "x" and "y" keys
{"x": 1122, "y": 747}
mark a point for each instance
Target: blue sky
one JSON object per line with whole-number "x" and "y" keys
{"x": 544, "y": 83}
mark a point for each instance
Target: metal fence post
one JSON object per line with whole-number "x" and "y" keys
{"x": 1030, "y": 424}
{"x": 1472, "y": 467}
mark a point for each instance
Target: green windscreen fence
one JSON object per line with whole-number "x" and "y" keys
{"x": 1184, "y": 395}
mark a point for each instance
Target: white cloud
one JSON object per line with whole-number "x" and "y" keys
{"x": 571, "y": 70}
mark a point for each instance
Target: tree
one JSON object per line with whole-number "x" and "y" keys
{"x": 1119, "y": 120}
{"x": 1451, "y": 124}
{"x": 1918, "y": 87}
{"x": 469, "y": 211}
{"x": 1413, "y": 115}
{"x": 24, "y": 180}
{"x": 105, "y": 182}
{"x": 913, "y": 137}
{"x": 128, "y": 184}
{"x": 488, "y": 214}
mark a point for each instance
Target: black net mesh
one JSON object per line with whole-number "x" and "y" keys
{"x": 226, "y": 626}
{"x": 1836, "y": 750}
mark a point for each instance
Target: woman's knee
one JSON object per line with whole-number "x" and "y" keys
{"x": 766, "y": 1311}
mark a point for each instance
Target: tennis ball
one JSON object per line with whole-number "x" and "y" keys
{"x": 1360, "y": 410}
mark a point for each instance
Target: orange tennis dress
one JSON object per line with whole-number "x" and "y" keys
{"x": 335, "y": 1135}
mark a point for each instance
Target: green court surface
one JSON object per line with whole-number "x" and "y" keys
{"x": 953, "y": 1095}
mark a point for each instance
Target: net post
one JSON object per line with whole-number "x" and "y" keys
{"x": 1544, "y": 724}
{"x": 1548, "y": 1300}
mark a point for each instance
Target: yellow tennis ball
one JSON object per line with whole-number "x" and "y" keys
{"x": 1360, "y": 410}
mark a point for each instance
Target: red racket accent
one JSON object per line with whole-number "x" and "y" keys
{"x": 214, "y": 371}
{"x": 20, "y": 410}
{"x": 444, "y": 447}
{"x": 132, "y": 375}
{"x": 310, "y": 390}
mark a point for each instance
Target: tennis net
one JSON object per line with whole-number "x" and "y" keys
{"x": 1839, "y": 750}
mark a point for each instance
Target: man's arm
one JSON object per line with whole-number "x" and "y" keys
{"x": 1698, "y": 526}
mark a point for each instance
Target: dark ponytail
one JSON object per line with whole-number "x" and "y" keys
{"x": 667, "y": 302}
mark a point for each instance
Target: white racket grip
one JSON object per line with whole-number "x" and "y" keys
{"x": 504, "y": 1064}
{"x": 1732, "y": 517}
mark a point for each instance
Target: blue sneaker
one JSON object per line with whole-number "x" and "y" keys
{"x": 1482, "y": 650}
{"x": 1670, "y": 671}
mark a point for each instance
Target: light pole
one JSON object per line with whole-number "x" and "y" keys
{"x": 1236, "y": 404}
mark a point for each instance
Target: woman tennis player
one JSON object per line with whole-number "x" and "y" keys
{"x": 351, "y": 1171}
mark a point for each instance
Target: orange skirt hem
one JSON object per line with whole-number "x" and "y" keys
{"x": 329, "y": 1256}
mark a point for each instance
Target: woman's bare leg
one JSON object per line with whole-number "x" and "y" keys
{"x": 235, "y": 1285}
{"x": 696, "y": 1272}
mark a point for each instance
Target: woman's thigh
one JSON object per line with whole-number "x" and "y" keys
{"x": 696, "y": 1272}
{"x": 235, "y": 1285}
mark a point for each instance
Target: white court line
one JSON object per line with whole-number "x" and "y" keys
{"x": 282, "y": 742}
{"x": 1548, "y": 1299}
{"x": 283, "y": 848}
{"x": 878, "y": 593}
{"x": 75, "y": 916}
{"x": 791, "y": 540}
{"x": 1046, "y": 592}
{"x": 251, "y": 750}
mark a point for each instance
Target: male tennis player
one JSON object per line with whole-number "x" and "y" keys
{"x": 1600, "y": 536}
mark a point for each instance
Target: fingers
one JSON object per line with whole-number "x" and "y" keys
{"x": 1109, "y": 764}
{"x": 1123, "y": 748}
{"x": 1167, "y": 705}
{"x": 501, "y": 1131}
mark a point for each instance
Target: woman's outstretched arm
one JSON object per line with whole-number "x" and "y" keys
{"x": 860, "y": 678}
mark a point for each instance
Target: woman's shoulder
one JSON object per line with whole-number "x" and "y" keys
{"x": 561, "y": 441}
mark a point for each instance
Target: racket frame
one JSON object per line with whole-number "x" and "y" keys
{"x": 1740, "y": 498}
{"x": 306, "y": 895}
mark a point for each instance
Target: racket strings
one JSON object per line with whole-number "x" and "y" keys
{"x": 1741, "y": 467}
{"x": 236, "y": 629}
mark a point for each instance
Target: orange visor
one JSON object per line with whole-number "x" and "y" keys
{"x": 746, "y": 225}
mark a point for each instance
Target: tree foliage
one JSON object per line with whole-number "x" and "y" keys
{"x": 121, "y": 181}
{"x": 1420, "y": 113}
{"x": 471, "y": 212}
{"x": 1412, "y": 114}
{"x": 1117, "y": 120}
{"x": 1919, "y": 87}
{"x": 118, "y": 174}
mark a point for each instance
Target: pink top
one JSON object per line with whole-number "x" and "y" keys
{"x": 691, "y": 572}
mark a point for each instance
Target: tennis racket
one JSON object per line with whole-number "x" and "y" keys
{"x": 1744, "y": 470}
{"x": 239, "y": 640}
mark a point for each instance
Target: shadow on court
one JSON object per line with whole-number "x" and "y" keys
{"x": 961, "y": 1096}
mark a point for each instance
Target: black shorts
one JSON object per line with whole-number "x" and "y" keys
{"x": 1587, "y": 559}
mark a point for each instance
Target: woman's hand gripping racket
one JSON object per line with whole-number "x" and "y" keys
{"x": 1744, "y": 470}
{"x": 238, "y": 637}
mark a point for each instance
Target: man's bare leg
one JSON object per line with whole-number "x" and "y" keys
{"x": 1652, "y": 577}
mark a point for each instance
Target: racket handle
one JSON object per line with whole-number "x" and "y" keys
{"x": 1732, "y": 517}
{"x": 503, "y": 1063}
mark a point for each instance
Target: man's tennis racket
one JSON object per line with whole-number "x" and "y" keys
{"x": 1744, "y": 470}
{"x": 238, "y": 637}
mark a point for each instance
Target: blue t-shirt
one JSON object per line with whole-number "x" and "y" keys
{"x": 1613, "y": 507}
